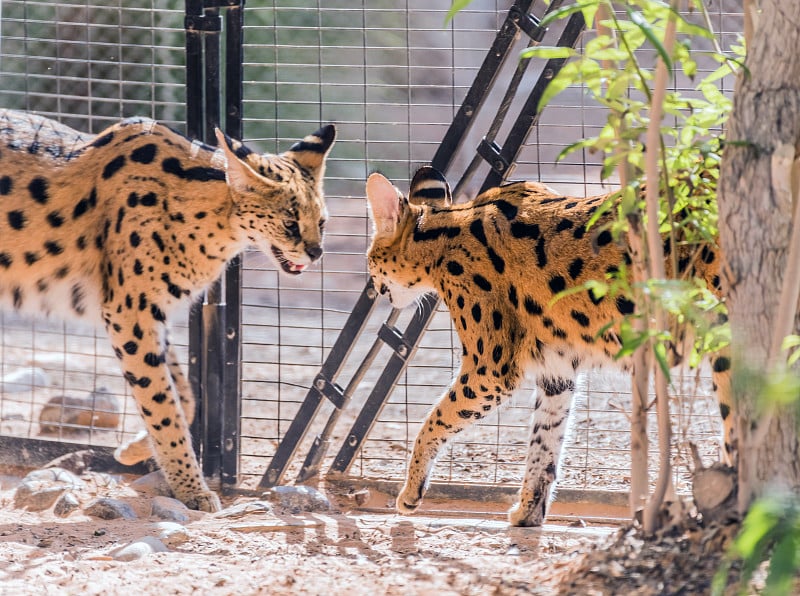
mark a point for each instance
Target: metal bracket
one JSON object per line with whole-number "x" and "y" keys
{"x": 332, "y": 391}
{"x": 528, "y": 23}
{"x": 490, "y": 152}
{"x": 202, "y": 23}
{"x": 395, "y": 340}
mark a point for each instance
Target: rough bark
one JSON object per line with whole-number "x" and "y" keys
{"x": 755, "y": 225}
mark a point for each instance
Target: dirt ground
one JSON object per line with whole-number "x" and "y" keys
{"x": 336, "y": 552}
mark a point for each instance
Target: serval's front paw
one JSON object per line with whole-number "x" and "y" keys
{"x": 409, "y": 499}
{"x": 528, "y": 515}
{"x": 206, "y": 500}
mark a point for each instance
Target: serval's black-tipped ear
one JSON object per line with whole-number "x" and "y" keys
{"x": 310, "y": 153}
{"x": 239, "y": 174}
{"x": 429, "y": 187}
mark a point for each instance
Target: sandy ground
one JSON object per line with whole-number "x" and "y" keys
{"x": 343, "y": 551}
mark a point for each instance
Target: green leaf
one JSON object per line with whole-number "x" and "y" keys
{"x": 566, "y": 11}
{"x": 455, "y": 8}
{"x": 569, "y": 74}
{"x": 548, "y": 52}
{"x": 782, "y": 566}
{"x": 638, "y": 19}
{"x": 660, "y": 352}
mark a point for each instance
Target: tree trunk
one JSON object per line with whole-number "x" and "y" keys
{"x": 755, "y": 226}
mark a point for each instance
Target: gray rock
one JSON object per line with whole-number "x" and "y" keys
{"x": 66, "y": 504}
{"x": 299, "y": 498}
{"x": 40, "y": 489}
{"x": 24, "y": 379}
{"x": 76, "y": 462}
{"x": 106, "y": 508}
{"x": 243, "y": 509}
{"x": 169, "y": 509}
{"x": 140, "y": 548}
{"x": 170, "y": 533}
{"x": 36, "y": 498}
{"x": 55, "y": 475}
{"x": 152, "y": 484}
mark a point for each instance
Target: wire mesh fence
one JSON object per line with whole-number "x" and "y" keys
{"x": 391, "y": 76}
{"x": 86, "y": 64}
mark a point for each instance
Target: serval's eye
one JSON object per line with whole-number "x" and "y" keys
{"x": 292, "y": 227}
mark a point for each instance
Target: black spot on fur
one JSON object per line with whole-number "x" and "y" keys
{"x": 564, "y": 224}
{"x": 455, "y": 268}
{"x": 130, "y": 347}
{"x": 114, "y": 166}
{"x": 604, "y": 238}
{"x": 120, "y": 217}
{"x": 482, "y": 282}
{"x": 17, "y": 219}
{"x": 102, "y": 141}
{"x": 135, "y": 239}
{"x": 144, "y": 154}
{"x": 625, "y": 306}
{"x": 497, "y": 353}
{"x": 724, "y": 411}
{"x": 172, "y": 288}
{"x": 55, "y": 219}
{"x": 532, "y": 307}
{"x": 5, "y": 260}
{"x": 476, "y": 313}
{"x": 497, "y": 261}
{"x": 53, "y": 247}
{"x": 497, "y": 320}
{"x": 153, "y": 359}
{"x": 149, "y": 200}
{"x": 173, "y": 166}
{"x": 476, "y": 229}
{"x": 6, "y": 185}
{"x": 555, "y": 385}
{"x": 575, "y": 268}
{"x": 512, "y": 295}
{"x": 721, "y": 364}
{"x": 508, "y": 210}
{"x": 31, "y": 257}
{"x": 523, "y": 230}
{"x": 541, "y": 255}
{"x": 435, "y": 233}
{"x": 580, "y": 317}
{"x": 39, "y": 191}
{"x": 557, "y": 284}
{"x": 85, "y": 204}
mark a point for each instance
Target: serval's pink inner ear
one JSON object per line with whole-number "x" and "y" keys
{"x": 385, "y": 204}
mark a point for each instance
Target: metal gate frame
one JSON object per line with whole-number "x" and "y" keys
{"x": 403, "y": 344}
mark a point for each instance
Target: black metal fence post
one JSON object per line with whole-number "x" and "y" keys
{"x": 214, "y": 324}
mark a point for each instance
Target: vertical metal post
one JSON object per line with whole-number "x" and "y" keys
{"x": 231, "y": 389}
{"x": 214, "y": 323}
{"x": 195, "y": 91}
